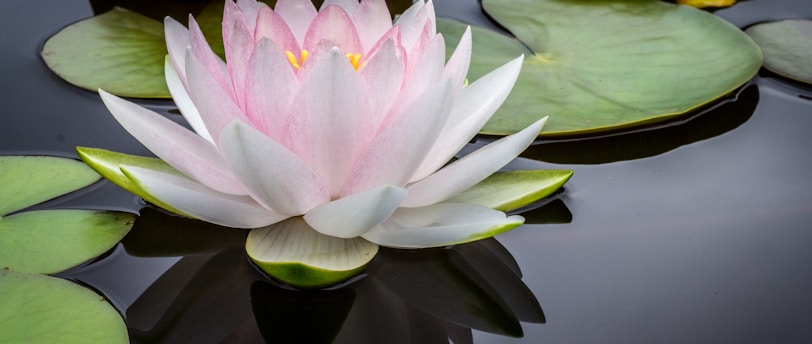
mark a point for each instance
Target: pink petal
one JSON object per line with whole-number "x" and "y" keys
{"x": 270, "y": 86}
{"x": 333, "y": 24}
{"x": 208, "y": 59}
{"x": 394, "y": 155}
{"x": 250, "y": 9}
{"x": 372, "y": 20}
{"x": 273, "y": 175}
{"x": 217, "y": 108}
{"x": 179, "y": 147}
{"x": 353, "y": 215}
{"x": 431, "y": 65}
{"x": 470, "y": 169}
{"x": 272, "y": 26}
{"x": 201, "y": 202}
{"x": 349, "y": 6}
{"x": 298, "y": 15}
{"x": 239, "y": 47}
{"x": 328, "y": 122}
{"x": 382, "y": 75}
{"x": 416, "y": 22}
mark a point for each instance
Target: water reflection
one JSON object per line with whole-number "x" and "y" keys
{"x": 426, "y": 296}
{"x": 723, "y": 117}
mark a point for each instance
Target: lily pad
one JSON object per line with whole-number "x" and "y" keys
{"x": 43, "y": 309}
{"x": 28, "y": 180}
{"x": 787, "y": 47}
{"x": 120, "y": 51}
{"x": 601, "y": 65}
{"x": 508, "y": 191}
{"x": 296, "y": 254}
{"x": 48, "y": 241}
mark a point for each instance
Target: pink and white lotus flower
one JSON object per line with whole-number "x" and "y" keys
{"x": 337, "y": 116}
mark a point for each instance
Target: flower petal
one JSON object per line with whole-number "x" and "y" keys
{"x": 201, "y": 202}
{"x": 474, "y": 106}
{"x": 417, "y": 20}
{"x": 272, "y": 26}
{"x": 394, "y": 155}
{"x": 328, "y": 122}
{"x": 217, "y": 108}
{"x": 333, "y": 24}
{"x": 239, "y": 44}
{"x": 207, "y": 59}
{"x": 431, "y": 64}
{"x": 269, "y": 88}
{"x": 471, "y": 169}
{"x": 274, "y": 176}
{"x": 298, "y": 15}
{"x": 460, "y": 60}
{"x": 353, "y": 215}
{"x": 441, "y": 225}
{"x": 183, "y": 101}
{"x": 177, "y": 40}
{"x": 179, "y": 147}
{"x": 383, "y": 75}
{"x": 349, "y": 6}
{"x": 372, "y": 20}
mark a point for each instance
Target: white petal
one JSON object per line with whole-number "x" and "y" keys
{"x": 441, "y": 225}
{"x": 460, "y": 60}
{"x": 473, "y": 108}
{"x": 179, "y": 147}
{"x": 270, "y": 86}
{"x": 272, "y": 174}
{"x": 177, "y": 40}
{"x": 349, "y": 6}
{"x": 383, "y": 75}
{"x": 373, "y": 20}
{"x": 184, "y": 103}
{"x": 471, "y": 169}
{"x": 351, "y": 216}
{"x": 201, "y": 202}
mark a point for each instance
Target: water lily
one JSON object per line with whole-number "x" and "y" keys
{"x": 336, "y": 117}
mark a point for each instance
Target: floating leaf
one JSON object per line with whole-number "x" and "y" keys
{"x": 120, "y": 51}
{"x": 707, "y": 3}
{"x": 787, "y": 47}
{"x": 507, "y": 191}
{"x": 49, "y": 241}
{"x": 294, "y": 253}
{"x": 28, "y": 180}
{"x": 599, "y": 65}
{"x": 43, "y": 309}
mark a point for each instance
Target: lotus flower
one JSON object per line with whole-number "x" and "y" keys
{"x": 337, "y": 116}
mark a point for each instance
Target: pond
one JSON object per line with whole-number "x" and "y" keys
{"x": 695, "y": 230}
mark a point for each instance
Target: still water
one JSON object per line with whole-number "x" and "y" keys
{"x": 699, "y": 230}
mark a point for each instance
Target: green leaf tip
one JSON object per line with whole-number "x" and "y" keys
{"x": 511, "y": 190}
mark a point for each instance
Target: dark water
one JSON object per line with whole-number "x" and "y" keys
{"x": 694, "y": 231}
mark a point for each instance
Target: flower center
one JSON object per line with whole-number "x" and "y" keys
{"x": 298, "y": 61}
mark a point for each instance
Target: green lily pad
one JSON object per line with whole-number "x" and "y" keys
{"x": 294, "y": 253}
{"x": 43, "y": 309}
{"x": 28, "y": 180}
{"x": 600, "y": 65}
{"x": 787, "y": 47}
{"x": 49, "y": 241}
{"x": 119, "y": 51}
{"x": 508, "y": 191}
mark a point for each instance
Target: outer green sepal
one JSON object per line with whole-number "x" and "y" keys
{"x": 108, "y": 164}
{"x": 511, "y": 190}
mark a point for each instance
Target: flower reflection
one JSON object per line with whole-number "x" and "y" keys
{"x": 427, "y": 296}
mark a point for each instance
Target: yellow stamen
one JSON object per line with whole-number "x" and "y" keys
{"x": 354, "y": 59}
